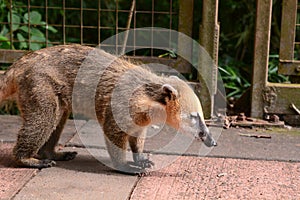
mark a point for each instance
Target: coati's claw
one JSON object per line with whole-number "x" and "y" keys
{"x": 143, "y": 174}
{"x": 145, "y": 163}
{"x": 128, "y": 169}
{"x": 46, "y": 164}
{"x": 142, "y": 160}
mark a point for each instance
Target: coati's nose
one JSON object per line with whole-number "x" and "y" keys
{"x": 214, "y": 143}
{"x": 204, "y": 133}
{"x": 208, "y": 140}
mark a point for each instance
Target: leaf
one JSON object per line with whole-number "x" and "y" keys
{"x": 24, "y": 28}
{"x": 37, "y": 39}
{"x": 4, "y": 30}
{"x": 36, "y": 32}
{"x": 4, "y": 43}
{"x": 23, "y": 44}
{"x": 52, "y": 29}
{"x": 163, "y": 55}
{"x": 3, "y": 38}
{"x": 35, "y": 17}
{"x": 49, "y": 28}
{"x": 15, "y": 20}
{"x": 35, "y": 46}
{"x": 224, "y": 70}
{"x": 274, "y": 56}
{"x": 20, "y": 37}
{"x": 236, "y": 93}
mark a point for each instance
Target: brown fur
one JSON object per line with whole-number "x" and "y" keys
{"x": 43, "y": 83}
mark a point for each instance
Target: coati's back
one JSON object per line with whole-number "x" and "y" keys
{"x": 57, "y": 64}
{"x": 119, "y": 79}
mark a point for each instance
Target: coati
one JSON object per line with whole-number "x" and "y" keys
{"x": 42, "y": 83}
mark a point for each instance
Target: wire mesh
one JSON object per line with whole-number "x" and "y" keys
{"x": 34, "y": 24}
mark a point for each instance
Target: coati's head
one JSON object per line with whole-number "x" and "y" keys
{"x": 174, "y": 103}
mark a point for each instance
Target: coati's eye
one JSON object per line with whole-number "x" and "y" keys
{"x": 194, "y": 117}
{"x": 194, "y": 114}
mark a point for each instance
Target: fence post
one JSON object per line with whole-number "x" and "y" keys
{"x": 185, "y": 25}
{"x": 209, "y": 39}
{"x": 261, "y": 56}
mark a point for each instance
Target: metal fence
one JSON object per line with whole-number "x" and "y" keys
{"x": 277, "y": 98}
{"x": 35, "y": 24}
{"x": 32, "y": 24}
{"x": 290, "y": 38}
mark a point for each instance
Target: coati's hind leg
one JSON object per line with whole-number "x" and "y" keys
{"x": 33, "y": 134}
{"x": 41, "y": 116}
{"x": 137, "y": 148}
{"x": 47, "y": 151}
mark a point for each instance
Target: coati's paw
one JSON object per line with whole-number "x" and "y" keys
{"x": 36, "y": 163}
{"x": 126, "y": 169}
{"x": 141, "y": 160}
{"x": 145, "y": 163}
{"x": 46, "y": 163}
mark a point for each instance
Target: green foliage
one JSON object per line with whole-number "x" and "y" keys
{"x": 273, "y": 75}
{"x": 20, "y": 31}
{"x": 4, "y": 43}
{"x": 236, "y": 78}
{"x": 234, "y": 82}
{"x": 237, "y": 21}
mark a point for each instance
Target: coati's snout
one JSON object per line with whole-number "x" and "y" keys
{"x": 202, "y": 130}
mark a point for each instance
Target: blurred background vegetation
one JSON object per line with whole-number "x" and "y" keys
{"x": 236, "y": 17}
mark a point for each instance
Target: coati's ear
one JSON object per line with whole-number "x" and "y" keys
{"x": 171, "y": 92}
{"x": 174, "y": 77}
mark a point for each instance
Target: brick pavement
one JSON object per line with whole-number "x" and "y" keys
{"x": 239, "y": 168}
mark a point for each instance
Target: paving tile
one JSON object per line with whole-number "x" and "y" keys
{"x": 12, "y": 179}
{"x": 10, "y": 125}
{"x": 82, "y": 178}
{"x": 220, "y": 178}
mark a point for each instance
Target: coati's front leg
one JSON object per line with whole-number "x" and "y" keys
{"x": 117, "y": 147}
{"x": 137, "y": 148}
{"x": 116, "y": 142}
